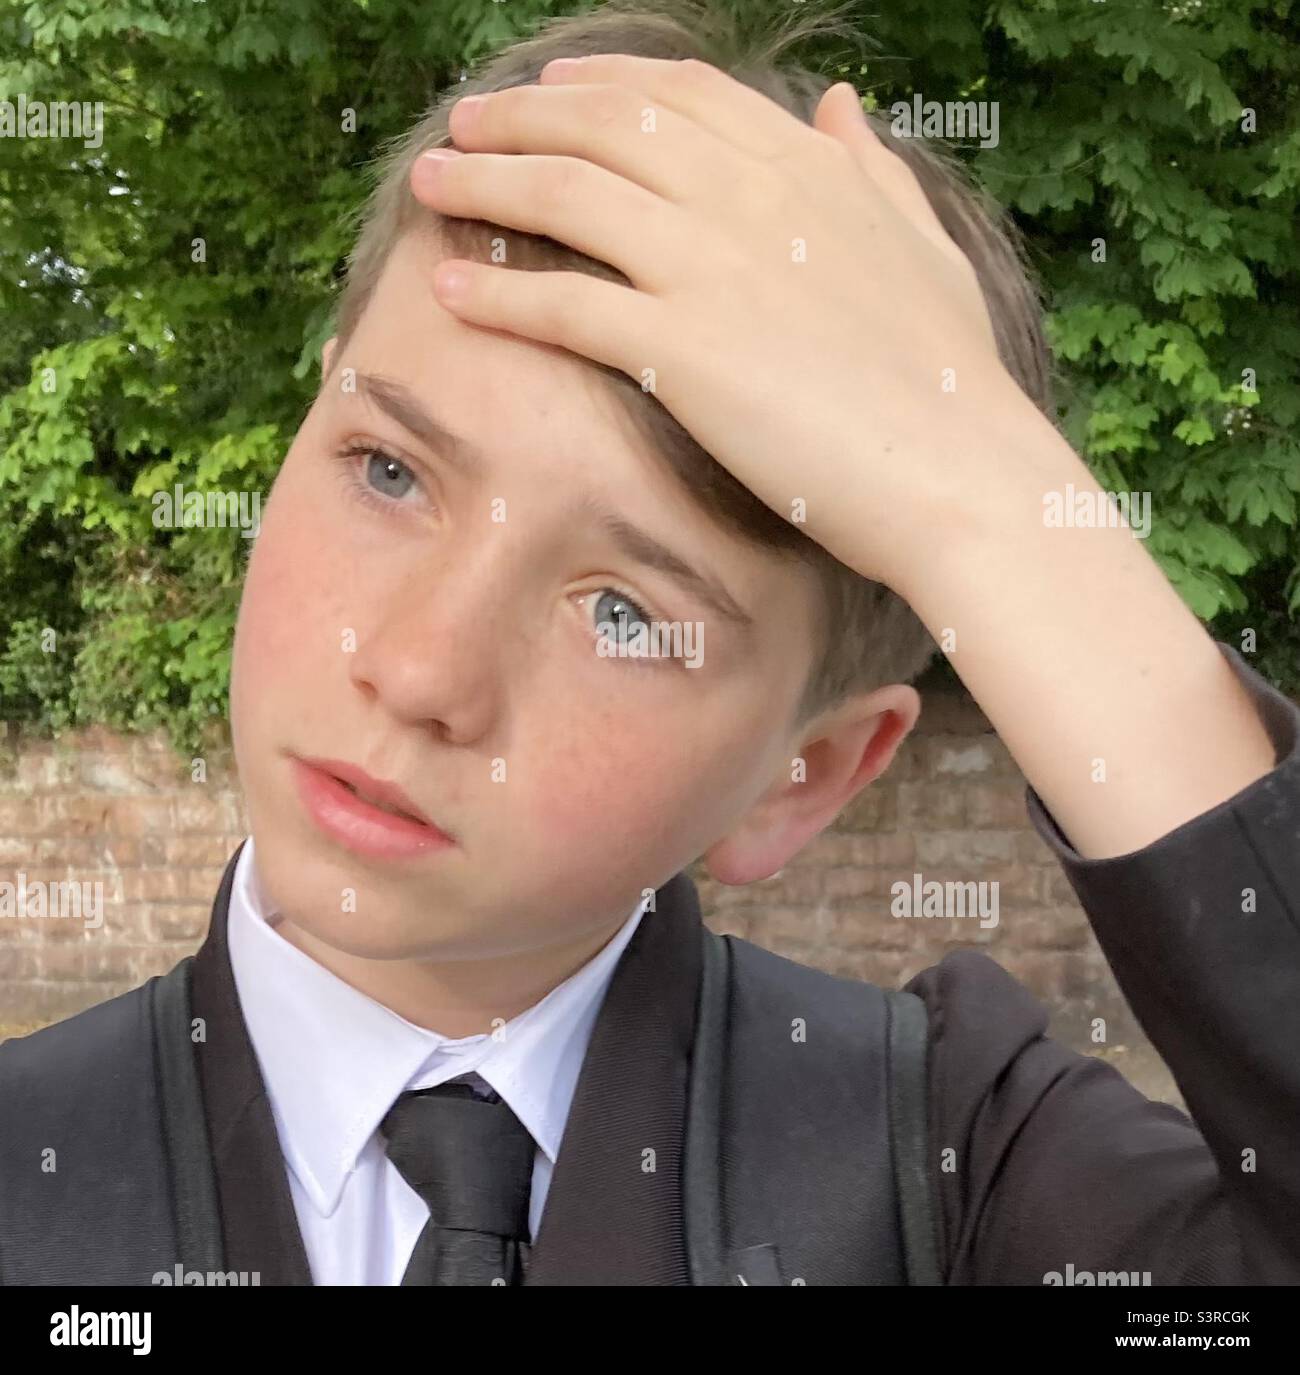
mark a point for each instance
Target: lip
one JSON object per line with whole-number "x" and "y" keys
{"x": 354, "y": 823}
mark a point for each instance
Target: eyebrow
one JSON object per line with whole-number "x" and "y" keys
{"x": 401, "y": 404}
{"x": 648, "y": 551}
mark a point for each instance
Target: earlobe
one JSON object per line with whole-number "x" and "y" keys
{"x": 837, "y": 760}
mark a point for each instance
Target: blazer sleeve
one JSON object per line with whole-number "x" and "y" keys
{"x": 1043, "y": 1158}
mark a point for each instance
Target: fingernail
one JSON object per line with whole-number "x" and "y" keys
{"x": 441, "y": 154}
{"x": 467, "y": 110}
{"x": 451, "y": 282}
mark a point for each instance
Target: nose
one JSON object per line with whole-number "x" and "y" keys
{"x": 427, "y": 648}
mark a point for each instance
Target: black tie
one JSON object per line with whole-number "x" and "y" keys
{"x": 471, "y": 1160}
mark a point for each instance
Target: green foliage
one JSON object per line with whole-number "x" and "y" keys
{"x": 165, "y": 293}
{"x": 136, "y": 357}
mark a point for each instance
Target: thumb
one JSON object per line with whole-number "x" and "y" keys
{"x": 839, "y": 114}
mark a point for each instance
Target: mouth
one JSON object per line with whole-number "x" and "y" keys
{"x": 368, "y": 816}
{"x": 383, "y": 806}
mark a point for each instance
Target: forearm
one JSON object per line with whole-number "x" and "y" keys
{"x": 1114, "y": 701}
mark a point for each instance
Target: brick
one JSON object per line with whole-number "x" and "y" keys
{"x": 776, "y": 924}
{"x": 859, "y": 884}
{"x": 108, "y": 962}
{"x": 198, "y": 811}
{"x": 831, "y": 848}
{"x": 906, "y": 764}
{"x": 109, "y": 774}
{"x": 723, "y": 897}
{"x": 150, "y": 885}
{"x": 153, "y": 742}
{"x": 127, "y": 922}
{"x": 86, "y": 852}
{"x": 857, "y": 924}
{"x": 98, "y": 740}
{"x": 874, "y": 809}
{"x": 1049, "y": 928}
{"x": 964, "y": 851}
{"x": 17, "y": 850}
{"x": 958, "y": 757}
{"x": 995, "y": 806}
{"x": 42, "y": 773}
{"x": 18, "y": 962}
{"x": 139, "y": 816}
{"x": 793, "y": 886}
{"x": 199, "y": 885}
{"x": 1019, "y": 882}
{"x": 60, "y": 963}
{"x": 152, "y": 850}
{"x": 178, "y": 922}
{"x": 931, "y": 804}
{"x": 80, "y": 815}
{"x": 164, "y": 770}
{"x": 24, "y": 816}
{"x": 196, "y": 852}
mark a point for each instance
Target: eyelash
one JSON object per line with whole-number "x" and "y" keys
{"x": 642, "y": 612}
{"x": 352, "y": 475}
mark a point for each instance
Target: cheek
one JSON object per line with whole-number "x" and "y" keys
{"x": 286, "y": 592}
{"x": 621, "y": 792}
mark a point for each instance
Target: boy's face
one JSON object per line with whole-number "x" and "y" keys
{"x": 430, "y": 617}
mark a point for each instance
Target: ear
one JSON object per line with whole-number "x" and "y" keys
{"x": 832, "y": 760}
{"x": 327, "y": 356}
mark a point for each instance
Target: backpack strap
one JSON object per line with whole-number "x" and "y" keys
{"x": 908, "y": 1129}
{"x": 184, "y": 1123}
{"x": 701, "y": 1172}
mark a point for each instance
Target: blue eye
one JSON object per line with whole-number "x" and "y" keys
{"x": 388, "y": 476}
{"x": 617, "y": 614}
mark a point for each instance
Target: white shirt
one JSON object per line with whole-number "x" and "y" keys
{"x": 334, "y": 1061}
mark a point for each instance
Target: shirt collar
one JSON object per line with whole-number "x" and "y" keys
{"x": 334, "y": 1060}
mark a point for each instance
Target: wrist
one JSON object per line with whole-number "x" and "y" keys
{"x": 991, "y": 518}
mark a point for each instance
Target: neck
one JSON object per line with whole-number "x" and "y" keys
{"x": 458, "y": 998}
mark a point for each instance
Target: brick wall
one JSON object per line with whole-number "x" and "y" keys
{"x": 123, "y": 810}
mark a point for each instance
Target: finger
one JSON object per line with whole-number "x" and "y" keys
{"x": 567, "y": 199}
{"x": 613, "y": 126}
{"x": 840, "y": 115}
{"x": 709, "y": 97}
{"x": 603, "y": 321}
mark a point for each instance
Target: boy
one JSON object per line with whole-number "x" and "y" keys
{"x": 457, "y": 1020}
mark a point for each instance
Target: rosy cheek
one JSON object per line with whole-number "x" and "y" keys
{"x": 614, "y": 793}
{"x": 279, "y": 603}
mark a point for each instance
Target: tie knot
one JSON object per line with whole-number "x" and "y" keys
{"x": 469, "y": 1158}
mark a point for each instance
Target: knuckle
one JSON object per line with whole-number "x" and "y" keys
{"x": 555, "y": 185}
{"x": 548, "y": 315}
{"x": 767, "y": 188}
{"x": 697, "y": 72}
{"x": 835, "y": 157}
{"x": 608, "y": 107}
